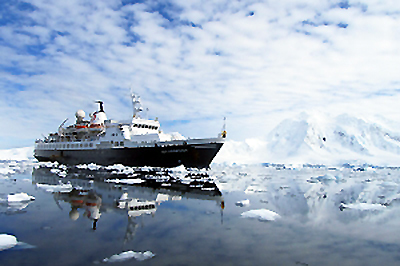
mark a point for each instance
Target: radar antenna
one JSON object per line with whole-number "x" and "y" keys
{"x": 137, "y": 105}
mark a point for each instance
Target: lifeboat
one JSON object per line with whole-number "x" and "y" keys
{"x": 96, "y": 126}
{"x": 80, "y": 126}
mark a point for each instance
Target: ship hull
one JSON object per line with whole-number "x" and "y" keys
{"x": 189, "y": 155}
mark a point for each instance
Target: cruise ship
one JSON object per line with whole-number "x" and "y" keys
{"x": 136, "y": 142}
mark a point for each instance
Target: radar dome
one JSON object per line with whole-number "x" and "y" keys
{"x": 74, "y": 214}
{"x": 80, "y": 114}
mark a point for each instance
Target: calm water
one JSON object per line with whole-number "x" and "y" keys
{"x": 197, "y": 228}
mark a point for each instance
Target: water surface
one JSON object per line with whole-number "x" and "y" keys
{"x": 322, "y": 219}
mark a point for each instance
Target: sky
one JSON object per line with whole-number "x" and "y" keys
{"x": 195, "y": 62}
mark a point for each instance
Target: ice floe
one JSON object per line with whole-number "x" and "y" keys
{"x": 127, "y": 255}
{"x": 7, "y": 241}
{"x": 261, "y": 214}
{"x": 19, "y": 197}
{"x": 10, "y": 241}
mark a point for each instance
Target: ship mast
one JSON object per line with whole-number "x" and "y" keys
{"x": 137, "y": 106}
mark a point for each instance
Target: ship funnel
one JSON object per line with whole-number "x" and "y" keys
{"x": 101, "y": 106}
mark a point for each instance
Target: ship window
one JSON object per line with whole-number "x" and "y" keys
{"x": 91, "y": 144}
{"x": 86, "y": 144}
{"x": 121, "y": 144}
{"x": 67, "y": 145}
{"x": 81, "y": 145}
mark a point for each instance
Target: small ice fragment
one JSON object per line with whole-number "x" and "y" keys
{"x": 18, "y": 197}
{"x": 127, "y": 255}
{"x": 125, "y": 181}
{"x": 261, "y": 214}
{"x": 255, "y": 189}
{"x": 243, "y": 203}
{"x": 55, "y": 188}
{"x": 162, "y": 197}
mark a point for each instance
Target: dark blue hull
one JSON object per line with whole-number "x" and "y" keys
{"x": 189, "y": 155}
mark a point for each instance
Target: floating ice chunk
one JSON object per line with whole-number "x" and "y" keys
{"x": 326, "y": 177}
{"x": 91, "y": 166}
{"x": 127, "y": 255}
{"x": 261, "y": 214}
{"x": 7, "y": 171}
{"x": 7, "y": 241}
{"x": 243, "y": 203}
{"x": 59, "y": 172}
{"x": 363, "y": 206}
{"x": 10, "y": 241}
{"x": 162, "y": 197}
{"x": 125, "y": 181}
{"x": 18, "y": 197}
{"x": 47, "y": 165}
{"x": 208, "y": 188}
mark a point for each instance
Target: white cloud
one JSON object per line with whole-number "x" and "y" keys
{"x": 256, "y": 62}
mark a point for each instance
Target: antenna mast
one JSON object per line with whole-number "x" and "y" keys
{"x": 137, "y": 106}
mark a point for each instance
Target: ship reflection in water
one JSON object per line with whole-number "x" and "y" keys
{"x": 92, "y": 194}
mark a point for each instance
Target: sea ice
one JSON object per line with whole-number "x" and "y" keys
{"x": 261, "y": 214}
{"x": 127, "y": 255}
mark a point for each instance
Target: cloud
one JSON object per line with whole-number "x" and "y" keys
{"x": 256, "y": 62}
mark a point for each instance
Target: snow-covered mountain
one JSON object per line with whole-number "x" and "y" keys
{"x": 320, "y": 139}
{"x": 305, "y": 139}
{"x": 17, "y": 154}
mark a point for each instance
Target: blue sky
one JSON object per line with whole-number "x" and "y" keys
{"x": 194, "y": 62}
